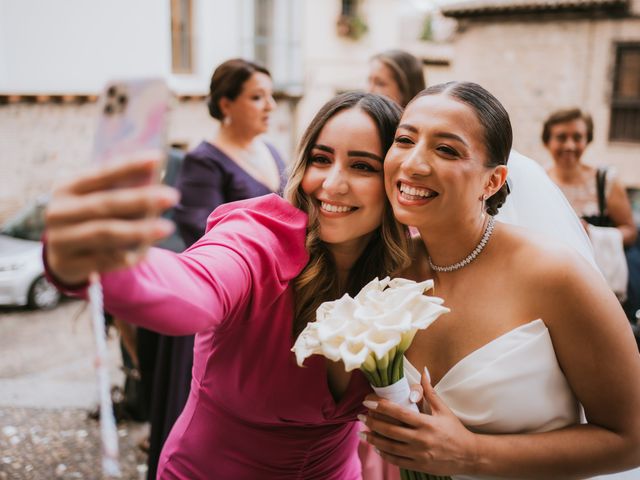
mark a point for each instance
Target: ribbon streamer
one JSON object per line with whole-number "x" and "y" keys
{"x": 108, "y": 430}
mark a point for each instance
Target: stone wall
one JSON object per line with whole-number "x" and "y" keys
{"x": 535, "y": 66}
{"x": 44, "y": 144}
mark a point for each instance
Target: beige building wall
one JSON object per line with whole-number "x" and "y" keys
{"x": 32, "y": 163}
{"x": 536, "y": 67}
{"x": 333, "y": 63}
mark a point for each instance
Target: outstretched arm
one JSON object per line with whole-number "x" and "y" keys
{"x": 93, "y": 226}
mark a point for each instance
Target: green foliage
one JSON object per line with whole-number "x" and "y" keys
{"x": 427, "y": 29}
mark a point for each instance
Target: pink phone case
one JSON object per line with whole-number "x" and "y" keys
{"x": 132, "y": 122}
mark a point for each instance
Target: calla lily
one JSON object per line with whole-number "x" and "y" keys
{"x": 372, "y": 329}
{"x": 407, "y": 338}
{"x": 373, "y": 286}
{"x": 380, "y": 342}
{"x": 307, "y": 344}
{"x": 331, "y": 349}
{"x": 334, "y": 318}
{"x": 353, "y": 354}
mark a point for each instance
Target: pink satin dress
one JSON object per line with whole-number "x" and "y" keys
{"x": 252, "y": 413}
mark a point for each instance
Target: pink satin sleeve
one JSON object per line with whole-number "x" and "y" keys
{"x": 180, "y": 294}
{"x": 252, "y": 250}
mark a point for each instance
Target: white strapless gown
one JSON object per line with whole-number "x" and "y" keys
{"x": 513, "y": 384}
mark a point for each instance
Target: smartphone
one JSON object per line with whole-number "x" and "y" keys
{"x": 132, "y": 123}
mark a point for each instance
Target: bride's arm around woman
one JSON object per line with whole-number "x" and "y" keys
{"x": 534, "y": 332}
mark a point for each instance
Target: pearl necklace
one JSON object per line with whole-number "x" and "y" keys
{"x": 469, "y": 258}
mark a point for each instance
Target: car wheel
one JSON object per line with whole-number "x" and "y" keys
{"x": 43, "y": 294}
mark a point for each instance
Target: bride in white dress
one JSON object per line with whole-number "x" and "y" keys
{"x": 535, "y": 372}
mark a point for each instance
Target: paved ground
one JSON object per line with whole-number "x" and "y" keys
{"x": 47, "y": 386}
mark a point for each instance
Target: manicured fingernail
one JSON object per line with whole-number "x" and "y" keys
{"x": 168, "y": 199}
{"x": 362, "y": 418}
{"x": 164, "y": 226}
{"x": 370, "y": 404}
{"x": 363, "y": 436}
{"x": 174, "y": 195}
{"x": 414, "y": 396}
{"x": 376, "y": 450}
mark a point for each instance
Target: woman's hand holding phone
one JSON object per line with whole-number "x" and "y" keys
{"x": 96, "y": 225}
{"x": 107, "y": 219}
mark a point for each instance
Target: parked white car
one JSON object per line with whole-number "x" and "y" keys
{"x": 22, "y": 280}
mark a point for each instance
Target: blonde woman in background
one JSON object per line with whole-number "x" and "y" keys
{"x": 395, "y": 74}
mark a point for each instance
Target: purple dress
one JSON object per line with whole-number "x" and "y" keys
{"x": 208, "y": 179}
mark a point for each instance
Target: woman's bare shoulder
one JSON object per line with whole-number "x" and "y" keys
{"x": 542, "y": 259}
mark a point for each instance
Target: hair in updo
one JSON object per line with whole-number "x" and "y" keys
{"x": 227, "y": 82}
{"x": 493, "y": 117}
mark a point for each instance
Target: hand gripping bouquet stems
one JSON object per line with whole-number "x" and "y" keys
{"x": 371, "y": 332}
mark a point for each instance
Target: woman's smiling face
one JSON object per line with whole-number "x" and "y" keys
{"x": 567, "y": 142}
{"x": 435, "y": 171}
{"x": 344, "y": 178}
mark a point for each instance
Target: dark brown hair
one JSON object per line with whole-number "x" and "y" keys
{"x": 498, "y": 135}
{"x": 227, "y": 82}
{"x": 563, "y": 116}
{"x": 407, "y": 72}
{"x": 387, "y": 248}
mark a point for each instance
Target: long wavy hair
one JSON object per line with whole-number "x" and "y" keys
{"x": 387, "y": 250}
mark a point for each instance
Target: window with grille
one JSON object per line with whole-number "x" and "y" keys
{"x": 181, "y": 36}
{"x": 349, "y": 8}
{"x": 263, "y": 28}
{"x": 272, "y": 37}
{"x": 625, "y": 102}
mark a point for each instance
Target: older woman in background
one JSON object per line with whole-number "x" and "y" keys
{"x": 596, "y": 194}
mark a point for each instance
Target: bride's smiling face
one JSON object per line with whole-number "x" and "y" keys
{"x": 435, "y": 170}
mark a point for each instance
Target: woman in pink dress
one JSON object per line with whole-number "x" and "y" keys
{"x": 246, "y": 288}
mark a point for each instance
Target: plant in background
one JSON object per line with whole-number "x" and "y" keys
{"x": 427, "y": 28}
{"x": 351, "y": 26}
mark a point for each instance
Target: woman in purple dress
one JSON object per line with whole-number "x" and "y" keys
{"x": 236, "y": 164}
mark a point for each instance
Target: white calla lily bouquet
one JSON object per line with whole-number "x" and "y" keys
{"x": 371, "y": 332}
